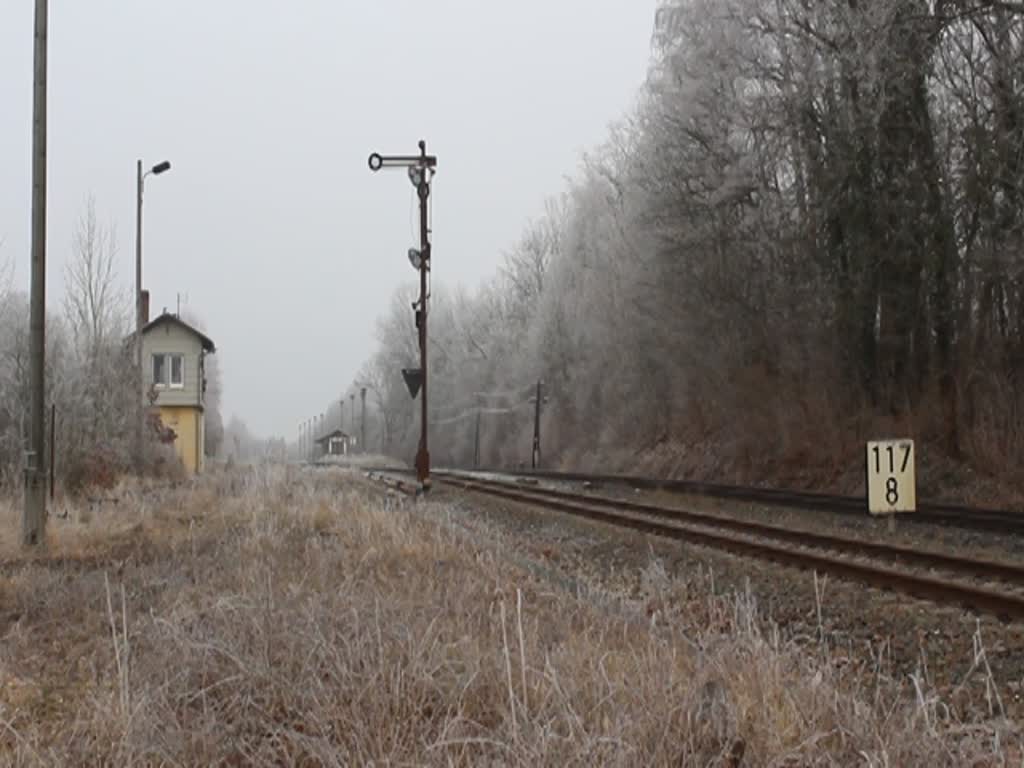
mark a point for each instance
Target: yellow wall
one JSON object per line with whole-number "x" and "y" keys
{"x": 187, "y": 423}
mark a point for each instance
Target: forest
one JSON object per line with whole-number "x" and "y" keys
{"x": 806, "y": 233}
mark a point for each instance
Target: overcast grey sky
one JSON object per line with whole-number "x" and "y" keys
{"x": 271, "y": 223}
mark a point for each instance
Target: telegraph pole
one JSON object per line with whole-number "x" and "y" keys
{"x": 535, "y": 459}
{"x": 362, "y": 420}
{"x": 53, "y": 448}
{"x": 476, "y": 442}
{"x": 420, "y": 169}
{"x": 141, "y": 420}
{"x": 352, "y": 414}
{"x": 33, "y": 523}
{"x": 320, "y": 430}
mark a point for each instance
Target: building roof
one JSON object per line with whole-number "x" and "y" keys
{"x": 331, "y": 436}
{"x": 167, "y": 317}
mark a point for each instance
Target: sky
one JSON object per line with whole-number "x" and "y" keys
{"x": 270, "y": 225}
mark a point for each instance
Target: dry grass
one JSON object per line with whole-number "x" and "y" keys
{"x": 303, "y": 621}
{"x": 363, "y": 461}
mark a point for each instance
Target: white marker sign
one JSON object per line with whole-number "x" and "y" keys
{"x": 890, "y": 474}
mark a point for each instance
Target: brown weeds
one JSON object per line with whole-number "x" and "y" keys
{"x": 302, "y": 620}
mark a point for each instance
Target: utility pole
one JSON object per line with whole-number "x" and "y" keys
{"x": 476, "y": 442}
{"x": 352, "y": 414}
{"x": 341, "y": 425}
{"x": 140, "y": 421}
{"x": 33, "y": 523}
{"x": 420, "y": 169}
{"x": 362, "y": 420}
{"x": 53, "y": 447}
{"x": 535, "y": 459}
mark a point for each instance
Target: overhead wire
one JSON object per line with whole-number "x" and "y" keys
{"x": 507, "y": 393}
{"x": 472, "y": 404}
{"x": 482, "y": 411}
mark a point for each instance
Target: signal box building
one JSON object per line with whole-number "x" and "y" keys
{"x": 174, "y": 365}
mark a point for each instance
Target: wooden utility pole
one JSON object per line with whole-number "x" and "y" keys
{"x": 320, "y": 430}
{"x": 140, "y": 421}
{"x": 362, "y": 420}
{"x": 476, "y": 442}
{"x": 535, "y": 458}
{"x": 53, "y": 447}
{"x": 33, "y": 527}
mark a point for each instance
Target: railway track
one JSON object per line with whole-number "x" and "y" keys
{"x": 928, "y": 513}
{"x": 958, "y": 516}
{"x": 934, "y": 576}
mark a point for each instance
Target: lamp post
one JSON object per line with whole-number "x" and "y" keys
{"x": 140, "y": 179}
{"x": 420, "y": 169}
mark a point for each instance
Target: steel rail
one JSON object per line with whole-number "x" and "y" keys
{"x": 931, "y": 513}
{"x": 1006, "y": 606}
{"x": 982, "y": 569}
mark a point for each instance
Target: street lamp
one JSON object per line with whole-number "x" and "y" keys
{"x": 140, "y": 179}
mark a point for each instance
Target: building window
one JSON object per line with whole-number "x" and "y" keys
{"x": 169, "y": 371}
{"x": 177, "y": 371}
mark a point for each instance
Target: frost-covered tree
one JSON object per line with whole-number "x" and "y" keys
{"x": 811, "y": 225}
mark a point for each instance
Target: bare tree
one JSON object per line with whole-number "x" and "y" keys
{"x": 95, "y": 307}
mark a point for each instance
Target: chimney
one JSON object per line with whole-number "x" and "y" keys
{"x": 145, "y": 308}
